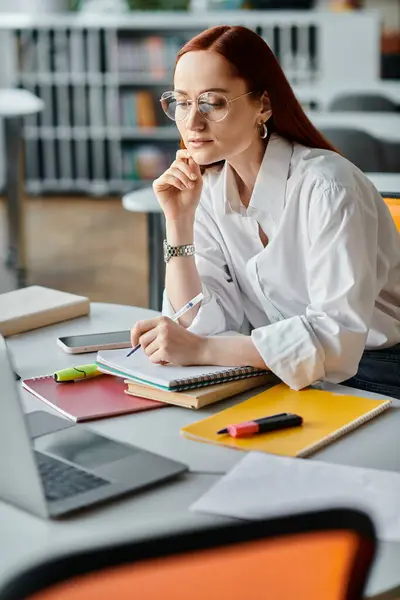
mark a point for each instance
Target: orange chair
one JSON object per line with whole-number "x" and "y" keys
{"x": 394, "y": 207}
{"x": 324, "y": 555}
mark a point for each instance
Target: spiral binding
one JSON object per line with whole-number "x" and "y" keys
{"x": 345, "y": 429}
{"x": 190, "y": 383}
{"x": 41, "y": 377}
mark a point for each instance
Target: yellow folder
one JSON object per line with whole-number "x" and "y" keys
{"x": 326, "y": 417}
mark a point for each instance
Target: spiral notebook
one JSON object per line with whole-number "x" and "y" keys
{"x": 202, "y": 396}
{"x": 326, "y": 417}
{"x": 88, "y": 399}
{"x": 167, "y": 377}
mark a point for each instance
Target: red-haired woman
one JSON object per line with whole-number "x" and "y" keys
{"x": 290, "y": 243}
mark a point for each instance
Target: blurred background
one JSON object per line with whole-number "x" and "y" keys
{"x": 83, "y": 134}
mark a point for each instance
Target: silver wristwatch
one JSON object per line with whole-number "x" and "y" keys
{"x": 170, "y": 251}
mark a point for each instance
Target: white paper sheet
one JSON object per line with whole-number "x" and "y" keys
{"x": 264, "y": 485}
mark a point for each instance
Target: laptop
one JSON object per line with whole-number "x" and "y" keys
{"x": 51, "y": 467}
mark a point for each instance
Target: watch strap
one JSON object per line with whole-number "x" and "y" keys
{"x": 182, "y": 250}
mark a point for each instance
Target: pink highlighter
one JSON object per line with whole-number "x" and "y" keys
{"x": 271, "y": 423}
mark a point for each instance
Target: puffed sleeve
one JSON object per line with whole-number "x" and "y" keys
{"x": 326, "y": 343}
{"x": 222, "y": 307}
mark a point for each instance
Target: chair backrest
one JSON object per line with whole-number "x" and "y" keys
{"x": 324, "y": 554}
{"x": 391, "y": 153}
{"x": 361, "y": 148}
{"x": 394, "y": 207}
{"x": 363, "y": 102}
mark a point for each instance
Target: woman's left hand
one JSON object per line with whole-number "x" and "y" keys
{"x": 165, "y": 341}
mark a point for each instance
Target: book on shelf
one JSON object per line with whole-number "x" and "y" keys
{"x": 145, "y": 110}
{"x": 156, "y": 60}
{"x": 46, "y": 118}
{"x": 137, "y": 109}
{"x": 149, "y": 55}
{"x": 62, "y": 107}
{"x": 146, "y": 161}
{"x": 127, "y": 109}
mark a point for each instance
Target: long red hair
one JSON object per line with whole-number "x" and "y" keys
{"x": 254, "y": 61}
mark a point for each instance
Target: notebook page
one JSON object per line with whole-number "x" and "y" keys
{"x": 139, "y": 365}
{"x": 264, "y": 485}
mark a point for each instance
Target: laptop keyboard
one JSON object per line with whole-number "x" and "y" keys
{"x": 61, "y": 481}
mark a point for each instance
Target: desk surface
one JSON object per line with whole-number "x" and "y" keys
{"x": 382, "y": 125}
{"x": 25, "y": 538}
{"x": 19, "y": 103}
{"x": 385, "y": 182}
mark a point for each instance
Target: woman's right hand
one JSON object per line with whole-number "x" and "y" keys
{"x": 178, "y": 189}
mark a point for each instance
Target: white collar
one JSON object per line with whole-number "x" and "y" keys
{"x": 270, "y": 187}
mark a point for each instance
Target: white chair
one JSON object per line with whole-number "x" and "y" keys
{"x": 144, "y": 201}
{"x": 16, "y": 104}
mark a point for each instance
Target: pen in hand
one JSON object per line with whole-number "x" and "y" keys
{"x": 182, "y": 311}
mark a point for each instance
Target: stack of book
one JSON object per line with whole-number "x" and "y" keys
{"x": 190, "y": 387}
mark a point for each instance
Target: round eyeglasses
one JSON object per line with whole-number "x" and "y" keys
{"x": 213, "y": 106}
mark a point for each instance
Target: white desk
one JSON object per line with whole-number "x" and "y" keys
{"x": 324, "y": 93}
{"x": 385, "y": 182}
{"x": 382, "y": 125}
{"x": 25, "y": 538}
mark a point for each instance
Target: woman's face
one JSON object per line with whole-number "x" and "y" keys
{"x": 210, "y": 141}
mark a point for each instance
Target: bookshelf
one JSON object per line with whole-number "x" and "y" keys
{"x": 103, "y": 131}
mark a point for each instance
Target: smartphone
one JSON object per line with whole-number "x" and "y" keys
{"x": 92, "y": 342}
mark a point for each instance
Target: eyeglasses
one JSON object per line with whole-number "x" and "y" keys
{"x": 213, "y": 106}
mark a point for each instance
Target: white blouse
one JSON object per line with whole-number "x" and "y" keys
{"x": 326, "y": 286}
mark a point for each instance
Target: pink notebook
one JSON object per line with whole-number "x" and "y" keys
{"x": 88, "y": 399}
